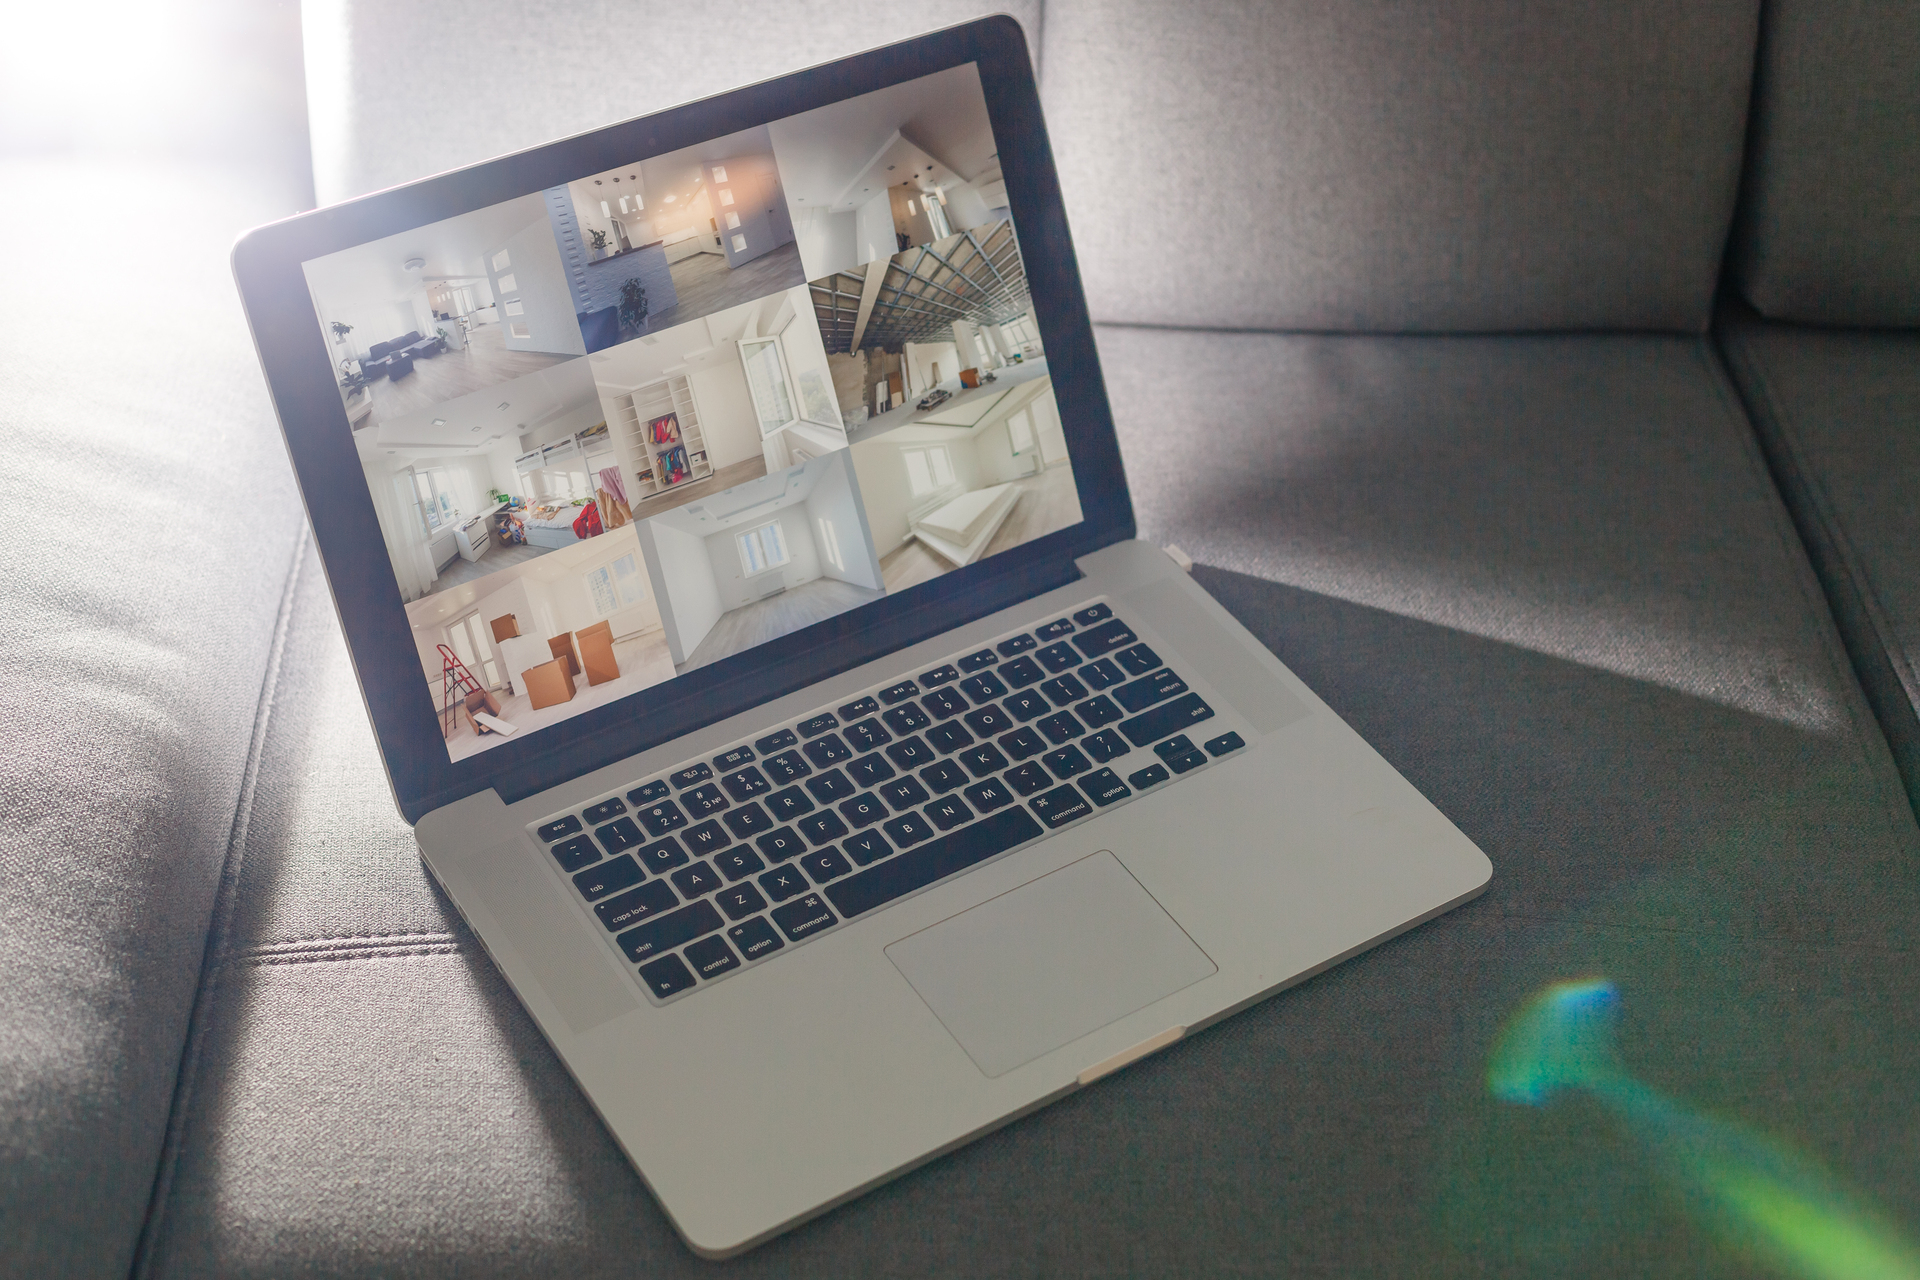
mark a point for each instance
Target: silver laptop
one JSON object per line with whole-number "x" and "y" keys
{"x": 730, "y": 534}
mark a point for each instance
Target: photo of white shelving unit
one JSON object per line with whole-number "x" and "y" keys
{"x": 653, "y": 463}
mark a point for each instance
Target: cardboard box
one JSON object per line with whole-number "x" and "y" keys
{"x": 596, "y": 653}
{"x": 549, "y": 684}
{"x": 505, "y": 628}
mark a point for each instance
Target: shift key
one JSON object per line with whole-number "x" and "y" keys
{"x": 669, "y": 931}
{"x": 1166, "y": 719}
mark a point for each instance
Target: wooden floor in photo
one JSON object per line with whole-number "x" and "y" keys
{"x": 1047, "y": 502}
{"x": 485, "y": 362}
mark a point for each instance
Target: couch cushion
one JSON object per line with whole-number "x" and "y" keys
{"x": 1481, "y": 164}
{"x": 396, "y": 92}
{"x": 1830, "y": 219}
{"x": 152, "y": 523}
{"x": 1839, "y": 414}
{"x": 1547, "y": 578}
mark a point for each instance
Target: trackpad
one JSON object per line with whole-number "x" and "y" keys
{"x": 1042, "y": 965}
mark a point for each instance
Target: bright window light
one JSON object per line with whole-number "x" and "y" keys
{"x": 1020, "y": 429}
{"x": 515, "y": 309}
{"x": 508, "y": 284}
{"x": 739, "y": 244}
{"x": 719, "y": 173}
{"x": 910, "y": 208}
{"x": 830, "y": 543}
{"x": 927, "y": 469}
{"x": 501, "y": 261}
{"x": 605, "y": 212}
{"x": 733, "y": 222}
{"x": 726, "y": 195}
{"x": 521, "y": 331}
{"x": 762, "y": 549}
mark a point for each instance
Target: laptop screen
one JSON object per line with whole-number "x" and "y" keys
{"x": 620, "y": 429}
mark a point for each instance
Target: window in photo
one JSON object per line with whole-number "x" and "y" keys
{"x": 1020, "y": 431}
{"x": 719, "y": 173}
{"x": 508, "y": 284}
{"x": 739, "y": 244}
{"x": 830, "y": 543}
{"x": 521, "y": 331}
{"x": 928, "y": 469}
{"x": 516, "y": 308}
{"x": 616, "y": 586}
{"x": 501, "y": 261}
{"x": 733, "y": 222}
{"x": 762, "y": 549}
{"x": 726, "y": 195}
{"x": 767, "y": 381}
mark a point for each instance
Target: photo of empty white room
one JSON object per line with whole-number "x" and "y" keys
{"x": 903, "y": 166}
{"x": 760, "y": 560}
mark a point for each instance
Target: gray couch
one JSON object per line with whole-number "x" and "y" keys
{"x": 1540, "y": 381}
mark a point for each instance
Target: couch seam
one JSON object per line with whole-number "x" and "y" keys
{"x": 448, "y": 948}
{"x": 186, "y": 1074}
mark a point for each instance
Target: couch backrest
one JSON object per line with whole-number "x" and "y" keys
{"x": 397, "y": 91}
{"x": 1369, "y": 165}
{"x": 1829, "y": 228}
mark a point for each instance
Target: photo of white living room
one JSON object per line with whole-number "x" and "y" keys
{"x": 437, "y": 313}
{"x": 873, "y": 175}
{"x": 760, "y": 560}
{"x": 665, "y": 241}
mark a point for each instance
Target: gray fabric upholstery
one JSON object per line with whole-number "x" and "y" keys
{"x": 1477, "y": 165}
{"x": 153, "y": 522}
{"x": 1839, "y": 412}
{"x": 1830, "y": 223}
{"x": 1546, "y": 577}
{"x": 400, "y": 91}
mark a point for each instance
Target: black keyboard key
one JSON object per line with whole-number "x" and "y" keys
{"x": 596, "y": 813}
{"x": 630, "y": 908}
{"x": 1103, "y": 787}
{"x": 738, "y": 862}
{"x": 830, "y": 786}
{"x": 575, "y": 853}
{"x": 908, "y": 829}
{"x": 867, "y": 847}
{"x": 733, "y": 759}
{"x": 827, "y": 751}
{"x": 948, "y": 812}
{"x": 984, "y": 687}
{"x": 610, "y": 876}
{"x": 1185, "y": 761}
{"x": 910, "y": 754}
{"x": 703, "y": 800}
{"x": 744, "y": 784}
{"x": 820, "y": 828}
{"x": 1138, "y": 695}
{"x": 1226, "y": 742}
{"x": 618, "y": 835}
{"x": 988, "y": 720}
{"x": 825, "y": 864}
{"x": 1066, "y": 762}
{"x": 949, "y": 737}
{"x": 979, "y": 660}
{"x": 708, "y": 837}
{"x": 944, "y": 703}
{"x": 786, "y": 767}
{"x": 893, "y": 694}
{"x": 855, "y": 710}
{"x": 1098, "y": 710}
{"x": 1105, "y": 745}
{"x": 1092, "y": 613}
{"x": 989, "y": 795}
{"x": 870, "y": 770}
{"x": 1021, "y": 743}
{"x": 1138, "y": 660}
{"x": 906, "y": 718}
{"x": 1022, "y": 672}
{"x": 1058, "y": 657}
{"x": 691, "y": 775}
{"x": 818, "y": 725}
{"x": 559, "y": 827}
{"x": 939, "y": 676}
{"x": 789, "y": 804}
{"x": 664, "y": 933}
{"x": 1060, "y": 727}
{"x": 1167, "y": 718}
{"x": 1019, "y": 644}
{"x": 647, "y": 793}
{"x": 1102, "y": 674}
{"x": 1151, "y": 776}
{"x": 773, "y": 742}
{"x": 1053, "y": 630}
{"x": 740, "y": 901}
{"x": 943, "y": 777}
{"x": 1104, "y": 638}
{"x": 782, "y": 883}
{"x": 661, "y": 818}
{"x": 1027, "y": 778}
{"x": 1025, "y": 706}
{"x": 983, "y": 760}
{"x": 780, "y": 844}
{"x": 1060, "y": 806}
{"x": 1179, "y": 745}
{"x": 711, "y": 957}
{"x": 755, "y": 938}
{"x": 666, "y": 976}
{"x": 867, "y": 735}
{"x": 662, "y": 856}
{"x": 863, "y": 809}
{"x": 748, "y": 820}
{"x": 1062, "y": 690}
{"x": 695, "y": 881}
{"x": 804, "y": 918}
{"x": 903, "y": 793}
{"x": 935, "y": 860}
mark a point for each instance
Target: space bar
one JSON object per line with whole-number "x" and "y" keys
{"x": 918, "y": 868}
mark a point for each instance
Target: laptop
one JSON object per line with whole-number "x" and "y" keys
{"x": 730, "y": 534}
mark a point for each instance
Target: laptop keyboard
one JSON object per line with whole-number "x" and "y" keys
{"x": 728, "y": 861}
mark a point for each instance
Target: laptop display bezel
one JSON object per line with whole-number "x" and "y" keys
{"x": 301, "y": 380}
